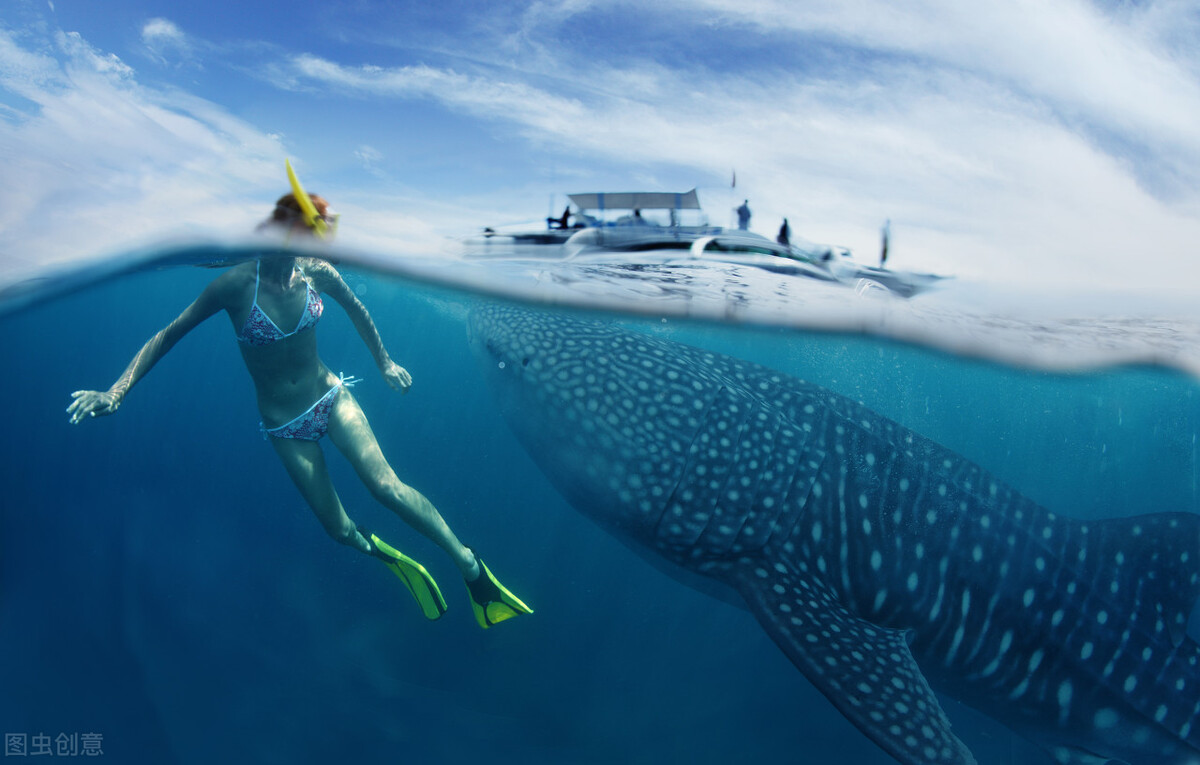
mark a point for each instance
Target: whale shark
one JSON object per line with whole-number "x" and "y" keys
{"x": 887, "y": 568}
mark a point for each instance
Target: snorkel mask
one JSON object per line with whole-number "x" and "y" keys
{"x": 320, "y": 224}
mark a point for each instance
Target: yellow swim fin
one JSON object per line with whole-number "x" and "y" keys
{"x": 311, "y": 217}
{"x": 413, "y": 574}
{"x": 492, "y": 601}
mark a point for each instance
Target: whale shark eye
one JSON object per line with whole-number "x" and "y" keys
{"x": 525, "y": 361}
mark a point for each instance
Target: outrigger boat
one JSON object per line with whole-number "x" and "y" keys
{"x": 634, "y": 221}
{"x": 672, "y": 225}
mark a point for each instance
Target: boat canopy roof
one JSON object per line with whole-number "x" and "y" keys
{"x": 637, "y": 200}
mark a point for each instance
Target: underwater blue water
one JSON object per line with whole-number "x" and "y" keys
{"x": 163, "y": 585}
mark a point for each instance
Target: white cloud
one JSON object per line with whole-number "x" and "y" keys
{"x": 1067, "y": 55}
{"x": 98, "y": 162}
{"x": 164, "y": 30}
{"x": 370, "y": 157}
{"x": 164, "y": 39}
{"x": 478, "y": 96}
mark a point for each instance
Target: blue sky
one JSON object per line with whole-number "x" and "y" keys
{"x": 1052, "y": 141}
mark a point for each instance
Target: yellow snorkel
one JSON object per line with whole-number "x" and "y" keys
{"x": 312, "y": 218}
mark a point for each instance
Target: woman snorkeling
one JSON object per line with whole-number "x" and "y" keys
{"x": 274, "y": 304}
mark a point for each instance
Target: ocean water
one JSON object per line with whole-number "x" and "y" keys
{"x": 163, "y": 586}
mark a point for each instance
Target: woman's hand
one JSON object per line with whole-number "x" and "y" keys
{"x": 397, "y": 376}
{"x": 92, "y": 403}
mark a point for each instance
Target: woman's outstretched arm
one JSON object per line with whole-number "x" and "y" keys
{"x": 329, "y": 281}
{"x": 92, "y": 403}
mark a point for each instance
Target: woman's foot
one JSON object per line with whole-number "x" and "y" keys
{"x": 491, "y": 601}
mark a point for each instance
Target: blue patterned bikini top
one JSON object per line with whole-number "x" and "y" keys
{"x": 260, "y": 330}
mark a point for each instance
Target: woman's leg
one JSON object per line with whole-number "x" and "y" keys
{"x": 305, "y": 463}
{"x": 352, "y": 435}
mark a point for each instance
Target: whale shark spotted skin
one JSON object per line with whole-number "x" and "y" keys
{"x": 883, "y": 565}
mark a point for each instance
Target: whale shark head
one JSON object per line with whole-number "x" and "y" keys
{"x": 663, "y": 444}
{"x": 607, "y": 414}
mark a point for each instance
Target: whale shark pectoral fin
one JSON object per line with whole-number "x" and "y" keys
{"x": 866, "y": 671}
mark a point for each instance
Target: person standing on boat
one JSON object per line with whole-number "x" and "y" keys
{"x": 785, "y": 234}
{"x": 743, "y": 213}
{"x": 885, "y": 236}
{"x": 301, "y": 400}
{"x": 560, "y": 221}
